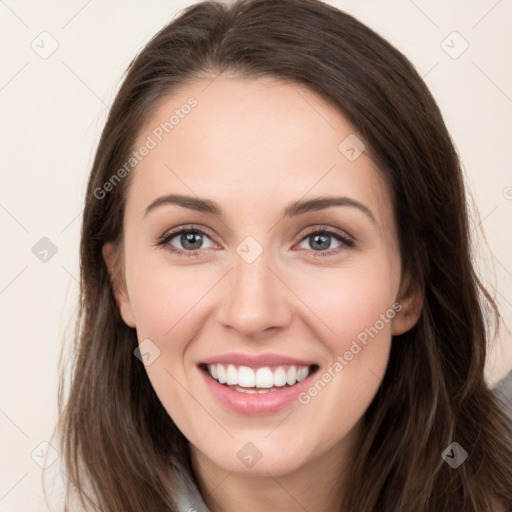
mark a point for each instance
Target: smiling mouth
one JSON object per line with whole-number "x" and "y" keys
{"x": 265, "y": 379}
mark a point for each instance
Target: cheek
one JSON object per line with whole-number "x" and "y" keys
{"x": 163, "y": 296}
{"x": 165, "y": 302}
{"x": 349, "y": 301}
{"x": 357, "y": 306}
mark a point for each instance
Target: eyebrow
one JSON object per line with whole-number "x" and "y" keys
{"x": 292, "y": 210}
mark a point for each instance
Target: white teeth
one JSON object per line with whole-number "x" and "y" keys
{"x": 279, "y": 376}
{"x": 302, "y": 374}
{"x": 253, "y": 391}
{"x": 246, "y": 377}
{"x": 221, "y": 374}
{"x": 263, "y": 378}
{"x": 291, "y": 376}
{"x": 231, "y": 375}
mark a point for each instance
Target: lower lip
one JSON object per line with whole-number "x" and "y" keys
{"x": 254, "y": 404}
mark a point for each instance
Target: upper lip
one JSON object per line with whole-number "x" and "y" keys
{"x": 255, "y": 361}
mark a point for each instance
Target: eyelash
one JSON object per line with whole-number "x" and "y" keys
{"x": 164, "y": 241}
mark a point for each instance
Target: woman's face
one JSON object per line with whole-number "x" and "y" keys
{"x": 293, "y": 301}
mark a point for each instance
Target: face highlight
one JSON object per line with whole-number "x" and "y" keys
{"x": 253, "y": 244}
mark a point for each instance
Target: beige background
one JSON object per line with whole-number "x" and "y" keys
{"x": 53, "y": 109}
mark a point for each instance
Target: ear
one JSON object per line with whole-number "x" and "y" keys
{"x": 410, "y": 299}
{"x": 118, "y": 283}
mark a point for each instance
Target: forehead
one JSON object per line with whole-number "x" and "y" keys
{"x": 252, "y": 143}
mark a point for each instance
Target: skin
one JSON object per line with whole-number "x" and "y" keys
{"x": 254, "y": 146}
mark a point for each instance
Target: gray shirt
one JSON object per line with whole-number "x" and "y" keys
{"x": 189, "y": 498}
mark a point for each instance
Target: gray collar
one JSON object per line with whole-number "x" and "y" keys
{"x": 188, "y": 497}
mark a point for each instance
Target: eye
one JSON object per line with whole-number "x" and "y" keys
{"x": 190, "y": 239}
{"x": 320, "y": 241}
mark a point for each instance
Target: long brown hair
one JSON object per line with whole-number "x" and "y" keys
{"x": 118, "y": 442}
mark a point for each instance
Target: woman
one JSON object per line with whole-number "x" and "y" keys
{"x": 321, "y": 343}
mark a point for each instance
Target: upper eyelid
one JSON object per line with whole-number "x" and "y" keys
{"x": 174, "y": 232}
{"x": 316, "y": 228}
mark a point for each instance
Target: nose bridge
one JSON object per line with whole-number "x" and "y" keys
{"x": 255, "y": 298}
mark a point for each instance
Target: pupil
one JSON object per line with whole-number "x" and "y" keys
{"x": 321, "y": 241}
{"x": 190, "y": 237}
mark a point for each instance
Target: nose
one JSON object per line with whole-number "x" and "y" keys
{"x": 257, "y": 301}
